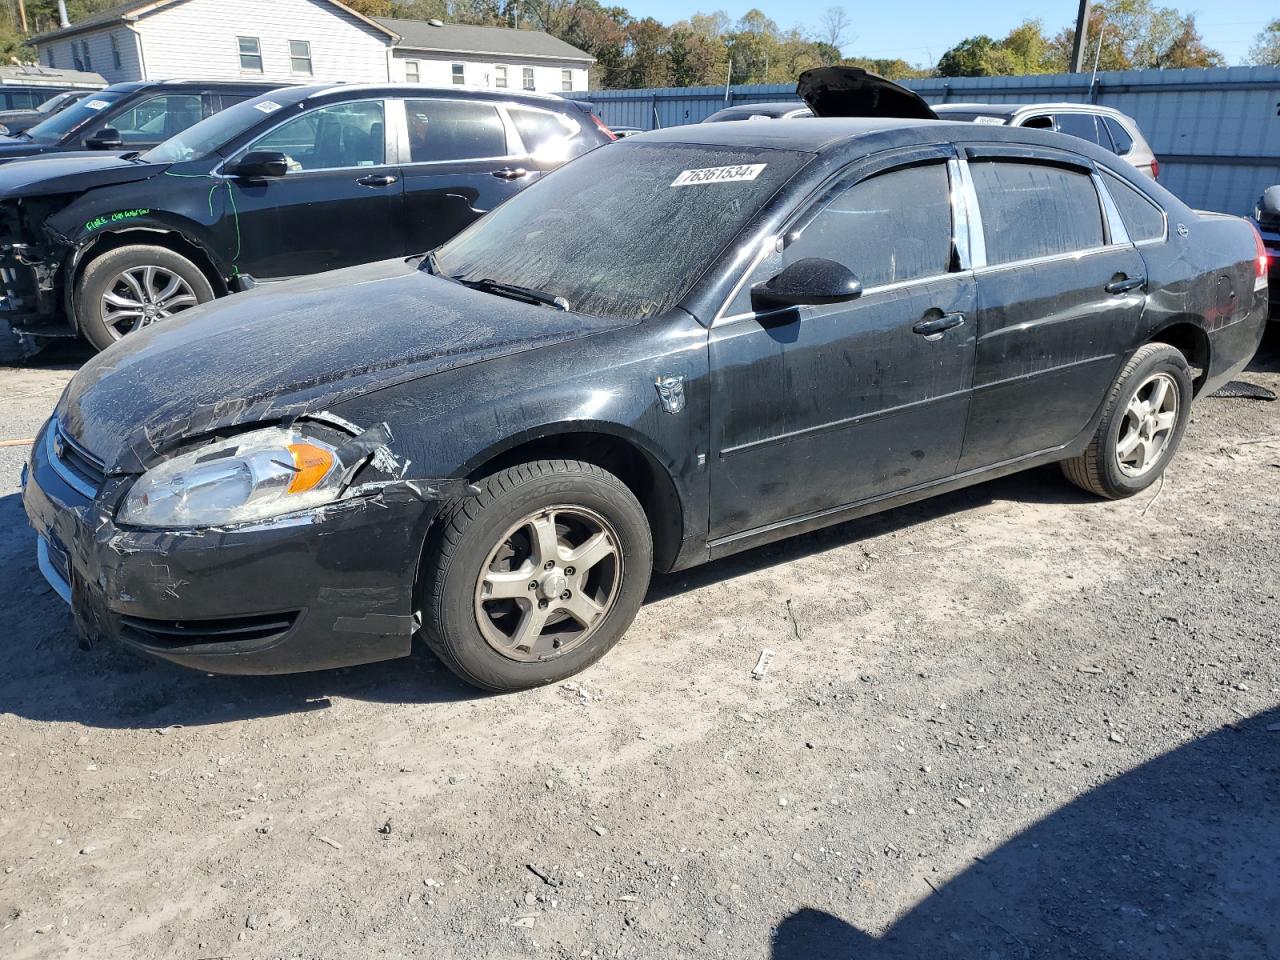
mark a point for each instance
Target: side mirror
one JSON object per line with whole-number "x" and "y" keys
{"x": 108, "y": 138}
{"x": 260, "y": 165}
{"x": 811, "y": 281}
{"x": 1269, "y": 206}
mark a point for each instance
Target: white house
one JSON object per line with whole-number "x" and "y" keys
{"x": 301, "y": 40}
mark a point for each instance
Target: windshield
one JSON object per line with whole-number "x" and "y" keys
{"x": 622, "y": 231}
{"x": 60, "y": 124}
{"x": 54, "y": 101}
{"x": 203, "y": 138}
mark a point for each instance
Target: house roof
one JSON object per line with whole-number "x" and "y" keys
{"x": 464, "y": 38}
{"x": 131, "y": 11}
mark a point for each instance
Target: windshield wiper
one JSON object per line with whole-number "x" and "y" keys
{"x": 515, "y": 292}
{"x": 23, "y": 135}
{"x": 131, "y": 155}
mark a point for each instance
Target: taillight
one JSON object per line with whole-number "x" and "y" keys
{"x": 1262, "y": 261}
{"x": 603, "y": 129}
{"x": 1155, "y": 169}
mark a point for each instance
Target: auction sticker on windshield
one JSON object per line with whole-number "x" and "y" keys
{"x": 738, "y": 171}
{"x": 98, "y": 104}
{"x": 267, "y": 106}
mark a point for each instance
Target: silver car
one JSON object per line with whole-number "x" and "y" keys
{"x": 1109, "y": 128}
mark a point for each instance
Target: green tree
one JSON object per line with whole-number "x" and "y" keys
{"x": 971, "y": 57}
{"x": 1266, "y": 45}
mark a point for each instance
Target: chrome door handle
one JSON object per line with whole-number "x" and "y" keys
{"x": 1125, "y": 284}
{"x": 378, "y": 180}
{"x": 511, "y": 173}
{"x": 937, "y": 326}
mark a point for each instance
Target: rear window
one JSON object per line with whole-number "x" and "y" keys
{"x": 1142, "y": 218}
{"x": 1084, "y": 126}
{"x": 551, "y": 137}
{"x": 1035, "y": 210}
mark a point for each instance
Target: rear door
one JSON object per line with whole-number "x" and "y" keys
{"x": 339, "y": 204}
{"x": 1060, "y": 298}
{"x": 815, "y": 408}
{"x": 461, "y": 158}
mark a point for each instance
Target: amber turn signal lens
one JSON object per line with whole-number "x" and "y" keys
{"x": 312, "y": 464}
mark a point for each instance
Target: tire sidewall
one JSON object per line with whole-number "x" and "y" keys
{"x": 103, "y": 269}
{"x": 455, "y": 620}
{"x": 1168, "y": 361}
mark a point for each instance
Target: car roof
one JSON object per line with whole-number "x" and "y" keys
{"x": 1009, "y": 109}
{"x": 133, "y": 86}
{"x": 806, "y": 134}
{"x": 337, "y": 91}
{"x": 764, "y": 109}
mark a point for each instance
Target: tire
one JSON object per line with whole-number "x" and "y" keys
{"x": 477, "y": 634}
{"x": 1102, "y": 468}
{"x": 105, "y": 274}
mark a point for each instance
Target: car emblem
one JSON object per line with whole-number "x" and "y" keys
{"x": 1183, "y": 231}
{"x": 671, "y": 393}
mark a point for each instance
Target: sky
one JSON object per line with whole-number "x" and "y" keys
{"x": 920, "y": 31}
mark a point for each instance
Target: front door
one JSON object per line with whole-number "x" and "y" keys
{"x": 340, "y": 204}
{"x": 816, "y": 408}
{"x": 463, "y": 160}
{"x": 1059, "y": 302}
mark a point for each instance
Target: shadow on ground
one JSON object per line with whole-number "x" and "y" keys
{"x": 1179, "y": 858}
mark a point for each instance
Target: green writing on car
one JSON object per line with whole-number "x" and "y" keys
{"x": 116, "y": 217}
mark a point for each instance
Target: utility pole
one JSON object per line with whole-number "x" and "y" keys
{"x": 1079, "y": 47}
{"x": 22, "y": 15}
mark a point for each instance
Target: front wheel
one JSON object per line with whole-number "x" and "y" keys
{"x": 1143, "y": 422}
{"x": 133, "y": 287}
{"x": 537, "y": 577}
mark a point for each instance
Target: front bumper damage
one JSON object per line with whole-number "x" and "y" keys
{"x": 326, "y": 588}
{"x": 32, "y": 289}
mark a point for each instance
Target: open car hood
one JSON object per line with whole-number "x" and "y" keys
{"x": 853, "y": 92}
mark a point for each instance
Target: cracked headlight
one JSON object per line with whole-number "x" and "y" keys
{"x": 260, "y": 474}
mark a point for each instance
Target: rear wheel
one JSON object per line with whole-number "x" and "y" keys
{"x": 132, "y": 287}
{"x": 536, "y": 578}
{"x": 1146, "y": 413}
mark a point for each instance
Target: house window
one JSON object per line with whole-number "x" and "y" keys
{"x": 84, "y": 53}
{"x": 250, "y": 54}
{"x": 528, "y": 78}
{"x": 411, "y": 72}
{"x": 52, "y": 62}
{"x": 459, "y": 73}
{"x": 300, "y": 56}
{"x": 115, "y": 53}
{"x": 500, "y": 75}
{"x": 566, "y": 79}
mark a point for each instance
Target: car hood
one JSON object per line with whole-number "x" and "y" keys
{"x": 854, "y": 92}
{"x": 291, "y": 348}
{"x": 72, "y": 173}
{"x": 11, "y": 148}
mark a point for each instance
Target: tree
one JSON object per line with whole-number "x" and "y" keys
{"x": 834, "y": 27}
{"x": 968, "y": 58}
{"x": 1266, "y": 46}
{"x": 370, "y": 8}
{"x": 1138, "y": 35}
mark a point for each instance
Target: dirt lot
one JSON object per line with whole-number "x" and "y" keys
{"x": 1012, "y": 722}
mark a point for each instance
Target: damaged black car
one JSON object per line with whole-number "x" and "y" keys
{"x": 695, "y": 342}
{"x": 297, "y": 181}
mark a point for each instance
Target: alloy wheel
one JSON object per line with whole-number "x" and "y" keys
{"x": 1148, "y": 425}
{"x": 140, "y": 296}
{"x": 549, "y": 583}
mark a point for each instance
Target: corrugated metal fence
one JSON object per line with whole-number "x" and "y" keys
{"x": 1216, "y": 132}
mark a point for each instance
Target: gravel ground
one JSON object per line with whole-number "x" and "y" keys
{"x": 1011, "y": 722}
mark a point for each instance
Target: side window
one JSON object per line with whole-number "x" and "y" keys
{"x": 892, "y": 227}
{"x": 1082, "y": 125}
{"x": 159, "y": 118}
{"x": 1142, "y": 218}
{"x": 1035, "y": 210}
{"x": 1038, "y": 123}
{"x": 549, "y": 137}
{"x": 331, "y": 138}
{"x": 454, "y": 130}
{"x": 1123, "y": 142}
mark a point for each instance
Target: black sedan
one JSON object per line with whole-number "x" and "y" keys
{"x": 13, "y": 122}
{"x": 694, "y": 342}
{"x": 297, "y": 181}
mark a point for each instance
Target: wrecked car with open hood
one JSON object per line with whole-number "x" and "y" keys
{"x": 297, "y": 181}
{"x": 694, "y": 342}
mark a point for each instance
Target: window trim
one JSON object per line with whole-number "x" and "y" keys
{"x": 863, "y": 169}
{"x": 311, "y": 66}
{"x": 257, "y": 42}
{"x": 390, "y": 147}
{"x": 405, "y": 153}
